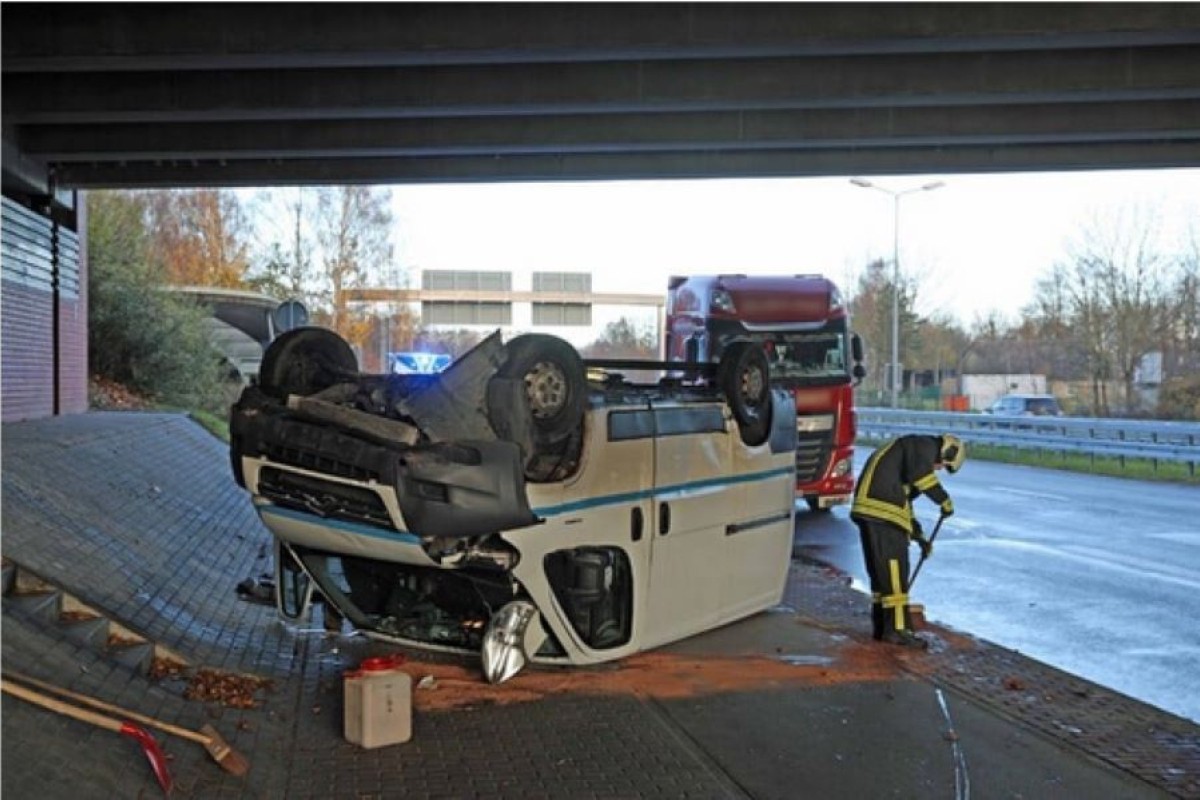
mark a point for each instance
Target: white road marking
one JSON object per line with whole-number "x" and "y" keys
{"x": 1183, "y": 537}
{"x": 962, "y": 781}
{"x": 1058, "y": 498}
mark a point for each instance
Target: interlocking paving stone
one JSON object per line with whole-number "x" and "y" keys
{"x": 138, "y": 516}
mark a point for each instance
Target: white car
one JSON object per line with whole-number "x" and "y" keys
{"x": 1026, "y": 405}
{"x": 522, "y": 504}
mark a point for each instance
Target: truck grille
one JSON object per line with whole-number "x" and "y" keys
{"x": 812, "y": 455}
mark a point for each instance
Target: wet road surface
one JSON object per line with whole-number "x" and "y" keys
{"x": 1094, "y": 575}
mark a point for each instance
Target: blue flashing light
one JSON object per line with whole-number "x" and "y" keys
{"x": 417, "y": 363}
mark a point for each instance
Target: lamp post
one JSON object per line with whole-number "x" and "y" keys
{"x": 929, "y": 187}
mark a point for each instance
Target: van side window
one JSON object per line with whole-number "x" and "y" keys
{"x": 643, "y": 424}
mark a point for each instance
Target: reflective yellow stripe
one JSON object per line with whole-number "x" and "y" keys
{"x": 880, "y": 509}
{"x": 869, "y": 475}
{"x": 925, "y": 482}
{"x": 897, "y": 600}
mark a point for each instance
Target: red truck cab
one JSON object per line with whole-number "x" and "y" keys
{"x": 804, "y": 327}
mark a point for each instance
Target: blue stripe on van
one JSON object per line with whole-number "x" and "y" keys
{"x": 626, "y": 497}
{"x": 402, "y": 537}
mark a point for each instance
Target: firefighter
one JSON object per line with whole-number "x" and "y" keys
{"x": 895, "y": 475}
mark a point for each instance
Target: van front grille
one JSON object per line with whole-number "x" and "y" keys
{"x": 323, "y": 498}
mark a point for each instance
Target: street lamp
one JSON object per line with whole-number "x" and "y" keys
{"x": 929, "y": 187}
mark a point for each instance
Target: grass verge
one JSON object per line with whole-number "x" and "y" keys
{"x": 215, "y": 425}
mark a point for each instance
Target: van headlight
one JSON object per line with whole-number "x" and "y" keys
{"x": 503, "y": 649}
{"x": 841, "y": 468}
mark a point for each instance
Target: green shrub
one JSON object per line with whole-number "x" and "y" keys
{"x": 140, "y": 336}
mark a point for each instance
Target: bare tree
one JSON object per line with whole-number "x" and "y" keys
{"x": 1180, "y": 394}
{"x": 354, "y": 231}
{"x": 624, "y": 338}
{"x": 871, "y": 304}
{"x": 1127, "y": 270}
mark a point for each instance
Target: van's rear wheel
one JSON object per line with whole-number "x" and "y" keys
{"x": 745, "y": 379}
{"x": 304, "y": 361}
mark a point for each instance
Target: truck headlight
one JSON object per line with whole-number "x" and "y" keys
{"x": 721, "y": 300}
{"x": 841, "y": 468}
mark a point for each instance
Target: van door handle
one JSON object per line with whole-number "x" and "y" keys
{"x": 664, "y": 519}
{"x": 635, "y": 524}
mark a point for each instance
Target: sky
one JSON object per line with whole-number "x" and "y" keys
{"x": 976, "y": 245}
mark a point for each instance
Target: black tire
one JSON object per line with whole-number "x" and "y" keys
{"x": 235, "y": 459}
{"x": 555, "y": 384}
{"x": 305, "y": 361}
{"x": 744, "y": 377}
{"x": 814, "y": 505}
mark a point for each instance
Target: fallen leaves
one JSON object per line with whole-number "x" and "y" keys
{"x": 228, "y": 689}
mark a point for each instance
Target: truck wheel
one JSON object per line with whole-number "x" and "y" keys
{"x": 814, "y": 505}
{"x": 304, "y": 361}
{"x": 555, "y": 384}
{"x": 744, "y": 377}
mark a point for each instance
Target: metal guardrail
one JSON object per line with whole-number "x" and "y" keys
{"x": 1121, "y": 439}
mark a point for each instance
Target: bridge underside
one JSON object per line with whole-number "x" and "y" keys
{"x": 232, "y": 94}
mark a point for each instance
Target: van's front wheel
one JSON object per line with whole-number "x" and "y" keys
{"x": 555, "y": 385}
{"x": 304, "y": 361}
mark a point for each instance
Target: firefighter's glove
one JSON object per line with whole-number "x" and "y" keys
{"x": 923, "y": 543}
{"x": 948, "y": 508}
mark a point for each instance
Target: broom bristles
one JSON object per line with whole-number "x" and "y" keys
{"x": 229, "y": 759}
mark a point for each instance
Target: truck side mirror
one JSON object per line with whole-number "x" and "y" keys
{"x": 856, "y": 352}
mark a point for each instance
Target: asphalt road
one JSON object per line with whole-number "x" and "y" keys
{"x": 1097, "y": 576}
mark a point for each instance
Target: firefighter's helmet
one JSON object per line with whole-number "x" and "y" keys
{"x": 953, "y": 453}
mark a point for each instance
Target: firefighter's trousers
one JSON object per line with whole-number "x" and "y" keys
{"x": 885, "y": 548}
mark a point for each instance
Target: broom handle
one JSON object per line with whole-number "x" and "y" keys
{"x": 100, "y": 704}
{"x": 81, "y": 714}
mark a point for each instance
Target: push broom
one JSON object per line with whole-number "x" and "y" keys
{"x": 226, "y": 757}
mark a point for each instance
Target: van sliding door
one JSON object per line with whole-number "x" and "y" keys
{"x": 694, "y": 500}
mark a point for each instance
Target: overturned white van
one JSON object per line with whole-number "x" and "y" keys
{"x": 523, "y": 504}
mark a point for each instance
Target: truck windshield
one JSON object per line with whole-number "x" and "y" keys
{"x": 816, "y": 357}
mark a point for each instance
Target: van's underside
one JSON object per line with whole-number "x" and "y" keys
{"x": 398, "y": 498}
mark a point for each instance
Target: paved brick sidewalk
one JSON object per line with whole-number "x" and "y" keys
{"x": 137, "y": 515}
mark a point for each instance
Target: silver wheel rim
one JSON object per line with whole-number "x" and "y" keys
{"x": 752, "y": 386}
{"x": 546, "y": 386}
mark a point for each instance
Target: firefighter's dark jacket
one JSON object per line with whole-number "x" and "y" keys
{"x": 895, "y": 474}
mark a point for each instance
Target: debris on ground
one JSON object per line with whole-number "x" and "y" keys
{"x": 228, "y": 689}
{"x": 258, "y": 590}
{"x": 104, "y": 394}
{"x": 161, "y": 667}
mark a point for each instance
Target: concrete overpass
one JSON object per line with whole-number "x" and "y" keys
{"x": 138, "y": 95}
